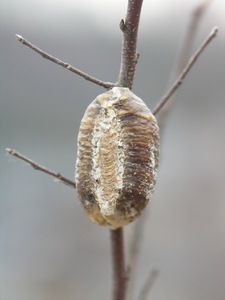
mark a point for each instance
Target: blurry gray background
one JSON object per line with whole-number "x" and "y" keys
{"x": 49, "y": 249}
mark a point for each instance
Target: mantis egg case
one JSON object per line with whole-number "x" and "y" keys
{"x": 117, "y": 161}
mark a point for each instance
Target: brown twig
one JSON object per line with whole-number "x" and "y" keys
{"x": 196, "y": 17}
{"x": 129, "y": 58}
{"x": 129, "y": 54}
{"x": 126, "y": 77}
{"x": 148, "y": 284}
{"x": 133, "y": 251}
{"x": 63, "y": 64}
{"x": 155, "y": 111}
{"x": 183, "y": 74}
{"x": 118, "y": 263}
{"x": 179, "y": 66}
{"x": 41, "y": 168}
{"x": 182, "y": 59}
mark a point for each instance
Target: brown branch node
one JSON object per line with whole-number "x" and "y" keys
{"x": 122, "y": 25}
{"x": 129, "y": 28}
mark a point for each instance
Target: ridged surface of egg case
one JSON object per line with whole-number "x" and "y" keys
{"x": 117, "y": 161}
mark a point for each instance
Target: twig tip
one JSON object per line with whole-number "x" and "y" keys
{"x": 215, "y": 30}
{"x": 10, "y": 151}
{"x": 19, "y": 37}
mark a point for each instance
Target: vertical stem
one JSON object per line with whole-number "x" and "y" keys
{"x": 129, "y": 52}
{"x": 129, "y": 58}
{"x": 118, "y": 263}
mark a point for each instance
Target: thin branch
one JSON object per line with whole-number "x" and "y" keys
{"x": 63, "y": 64}
{"x": 183, "y": 74}
{"x": 129, "y": 58}
{"x": 126, "y": 77}
{"x": 148, "y": 284}
{"x": 129, "y": 54}
{"x": 196, "y": 17}
{"x": 184, "y": 54}
{"x": 133, "y": 251}
{"x": 198, "y": 12}
{"x": 41, "y": 168}
{"x": 118, "y": 263}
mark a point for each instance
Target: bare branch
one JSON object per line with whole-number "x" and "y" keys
{"x": 118, "y": 263}
{"x": 129, "y": 28}
{"x": 196, "y": 17}
{"x": 134, "y": 247}
{"x": 148, "y": 284}
{"x": 184, "y": 54}
{"x": 183, "y": 74}
{"x": 198, "y": 12}
{"x": 41, "y": 168}
{"x": 129, "y": 59}
{"x": 63, "y": 64}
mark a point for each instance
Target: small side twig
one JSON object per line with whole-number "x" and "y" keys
{"x": 196, "y": 17}
{"x": 41, "y": 168}
{"x": 182, "y": 59}
{"x": 183, "y": 74}
{"x": 148, "y": 284}
{"x": 63, "y": 64}
{"x": 118, "y": 263}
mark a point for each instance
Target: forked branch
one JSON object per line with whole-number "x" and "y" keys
{"x": 126, "y": 77}
{"x": 161, "y": 103}
{"x": 182, "y": 60}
